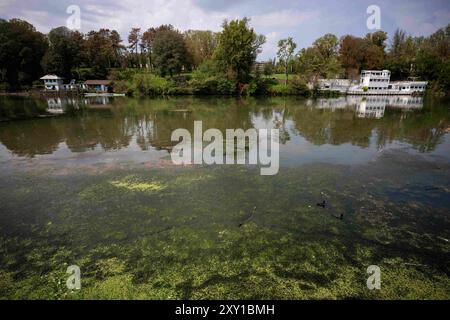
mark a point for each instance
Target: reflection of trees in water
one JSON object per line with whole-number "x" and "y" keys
{"x": 325, "y": 126}
{"x": 155, "y": 120}
{"x": 422, "y": 129}
{"x": 95, "y": 128}
{"x": 151, "y": 122}
{"x": 12, "y": 108}
{"x": 28, "y": 138}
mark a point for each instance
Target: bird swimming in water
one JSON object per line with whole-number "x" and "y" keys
{"x": 322, "y": 204}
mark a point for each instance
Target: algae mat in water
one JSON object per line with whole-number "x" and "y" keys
{"x": 224, "y": 233}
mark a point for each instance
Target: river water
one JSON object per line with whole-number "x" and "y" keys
{"x": 90, "y": 182}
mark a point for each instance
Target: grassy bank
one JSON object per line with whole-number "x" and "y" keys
{"x": 198, "y": 83}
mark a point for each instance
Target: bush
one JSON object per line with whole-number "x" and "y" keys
{"x": 280, "y": 89}
{"x": 298, "y": 86}
{"x": 149, "y": 84}
{"x": 4, "y": 87}
{"x": 225, "y": 86}
{"x": 179, "y": 91}
{"x": 123, "y": 86}
{"x": 203, "y": 83}
{"x": 182, "y": 80}
{"x": 250, "y": 89}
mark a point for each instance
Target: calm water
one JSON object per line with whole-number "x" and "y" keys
{"x": 91, "y": 183}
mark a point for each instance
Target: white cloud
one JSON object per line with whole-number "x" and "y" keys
{"x": 270, "y": 48}
{"x": 182, "y": 14}
{"x": 5, "y": 3}
{"x": 38, "y": 19}
{"x": 284, "y": 18}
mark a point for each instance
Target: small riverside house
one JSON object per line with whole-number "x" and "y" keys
{"x": 53, "y": 82}
{"x": 98, "y": 85}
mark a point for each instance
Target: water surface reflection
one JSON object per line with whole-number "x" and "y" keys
{"x": 99, "y": 129}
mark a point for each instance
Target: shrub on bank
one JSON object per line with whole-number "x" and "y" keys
{"x": 180, "y": 91}
{"x": 299, "y": 87}
{"x": 123, "y": 86}
{"x": 280, "y": 89}
{"x": 4, "y": 87}
{"x": 296, "y": 86}
{"x": 149, "y": 84}
{"x": 259, "y": 86}
{"x": 207, "y": 84}
{"x": 204, "y": 81}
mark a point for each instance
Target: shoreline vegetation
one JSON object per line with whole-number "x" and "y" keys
{"x": 164, "y": 61}
{"x": 150, "y": 85}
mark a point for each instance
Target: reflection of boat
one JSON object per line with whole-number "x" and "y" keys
{"x": 372, "y": 107}
{"x": 405, "y": 102}
{"x": 104, "y": 95}
{"x": 369, "y": 106}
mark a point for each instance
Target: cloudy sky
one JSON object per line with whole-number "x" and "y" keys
{"x": 304, "y": 20}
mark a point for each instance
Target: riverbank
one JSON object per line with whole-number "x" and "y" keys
{"x": 141, "y": 84}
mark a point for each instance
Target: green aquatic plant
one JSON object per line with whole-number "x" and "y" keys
{"x": 223, "y": 233}
{"x": 134, "y": 183}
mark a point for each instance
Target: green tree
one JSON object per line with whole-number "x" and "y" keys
{"x": 237, "y": 49}
{"x": 63, "y": 52}
{"x": 374, "y": 50}
{"x": 103, "y": 49}
{"x": 327, "y": 49}
{"x": 200, "y": 45}
{"x": 433, "y": 60}
{"x": 286, "y": 48}
{"x": 169, "y": 52}
{"x": 351, "y": 55}
{"x": 402, "y": 55}
{"x": 309, "y": 64}
{"x": 147, "y": 39}
{"x": 21, "y": 51}
{"x": 134, "y": 39}
{"x": 320, "y": 60}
